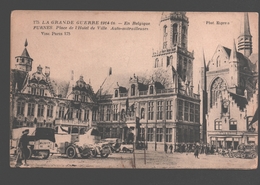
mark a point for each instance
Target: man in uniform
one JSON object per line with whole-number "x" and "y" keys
{"x": 23, "y": 148}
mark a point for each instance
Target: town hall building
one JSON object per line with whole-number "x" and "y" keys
{"x": 161, "y": 99}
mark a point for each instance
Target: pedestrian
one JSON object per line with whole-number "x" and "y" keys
{"x": 202, "y": 148}
{"x": 206, "y": 149}
{"x": 196, "y": 151}
{"x": 171, "y": 147}
{"x": 187, "y": 149}
{"x": 165, "y": 148}
{"x": 183, "y": 147}
{"x": 23, "y": 150}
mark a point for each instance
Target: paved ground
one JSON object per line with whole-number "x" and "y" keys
{"x": 157, "y": 160}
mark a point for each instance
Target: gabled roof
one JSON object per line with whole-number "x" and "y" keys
{"x": 244, "y": 62}
{"x": 162, "y": 77}
{"x": 241, "y": 101}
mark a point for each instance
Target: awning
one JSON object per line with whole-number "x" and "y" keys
{"x": 228, "y": 139}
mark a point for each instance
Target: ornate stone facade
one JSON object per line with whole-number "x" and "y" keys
{"x": 230, "y": 91}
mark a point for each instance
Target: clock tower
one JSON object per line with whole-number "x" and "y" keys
{"x": 172, "y": 50}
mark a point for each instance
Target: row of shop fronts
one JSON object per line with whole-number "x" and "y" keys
{"x": 231, "y": 139}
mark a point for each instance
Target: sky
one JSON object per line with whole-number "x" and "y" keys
{"x": 91, "y": 53}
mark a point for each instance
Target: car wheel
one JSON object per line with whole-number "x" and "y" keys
{"x": 71, "y": 152}
{"x": 243, "y": 155}
{"x": 94, "y": 153}
{"x": 85, "y": 153}
{"x": 253, "y": 155}
{"x": 85, "y": 156}
{"x": 104, "y": 155}
{"x": 44, "y": 153}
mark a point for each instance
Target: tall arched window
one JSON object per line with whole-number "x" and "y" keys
{"x": 175, "y": 33}
{"x": 156, "y": 63}
{"x": 184, "y": 30}
{"x": 122, "y": 115}
{"x": 20, "y": 107}
{"x": 78, "y": 114}
{"x": 49, "y": 110}
{"x": 171, "y": 59}
{"x": 33, "y": 90}
{"x": 142, "y": 113}
{"x": 61, "y": 110}
{"x": 30, "y": 111}
{"x": 133, "y": 90}
{"x": 70, "y": 113}
{"x": 164, "y": 37}
{"x": 116, "y": 93}
{"x": 217, "y": 86}
{"x": 40, "y": 110}
{"x": 151, "y": 89}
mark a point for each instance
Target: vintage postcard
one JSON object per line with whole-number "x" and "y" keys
{"x": 145, "y": 90}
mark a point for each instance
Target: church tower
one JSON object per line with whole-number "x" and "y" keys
{"x": 24, "y": 62}
{"x": 245, "y": 37}
{"x": 173, "y": 45}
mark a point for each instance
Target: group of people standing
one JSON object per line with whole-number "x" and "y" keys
{"x": 197, "y": 148}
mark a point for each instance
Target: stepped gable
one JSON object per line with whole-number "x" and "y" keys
{"x": 241, "y": 101}
{"x": 18, "y": 77}
{"x": 81, "y": 85}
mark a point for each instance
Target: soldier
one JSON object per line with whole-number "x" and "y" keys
{"x": 165, "y": 148}
{"x": 171, "y": 147}
{"x": 23, "y": 148}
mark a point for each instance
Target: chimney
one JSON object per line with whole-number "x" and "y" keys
{"x": 47, "y": 71}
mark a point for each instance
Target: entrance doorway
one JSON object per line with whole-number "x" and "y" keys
{"x": 235, "y": 144}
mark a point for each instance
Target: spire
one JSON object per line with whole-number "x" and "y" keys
{"x": 203, "y": 70}
{"x": 204, "y": 61}
{"x": 233, "y": 54}
{"x": 245, "y": 28}
{"x": 245, "y": 37}
{"x": 26, "y": 43}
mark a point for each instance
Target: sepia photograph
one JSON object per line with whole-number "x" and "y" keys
{"x": 134, "y": 90}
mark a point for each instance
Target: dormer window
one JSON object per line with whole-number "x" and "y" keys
{"x": 133, "y": 90}
{"x": 116, "y": 93}
{"x": 232, "y": 124}
{"x": 76, "y": 98}
{"x": 218, "y": 125}
{"x": 151, "y": 89}
{"x": 41, "y": 92}
{"x": 33, "y": 91}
